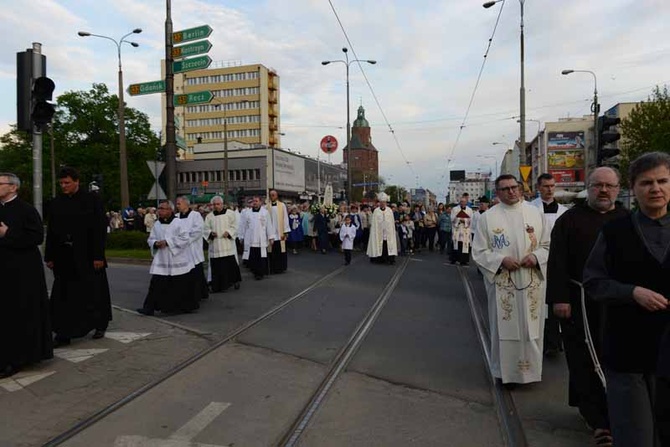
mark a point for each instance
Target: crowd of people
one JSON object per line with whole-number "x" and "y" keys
{"x": 599, "y": 267}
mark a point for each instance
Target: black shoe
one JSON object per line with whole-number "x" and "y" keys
{"x": 99, "y": 333}
{"x": 60, "y": 342}
{"x": 147, "y": 312}
{"x": 237, "y": 286}
{"x": 8, "y": 371}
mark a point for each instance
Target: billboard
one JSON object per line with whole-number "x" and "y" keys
{"x": 289, "y": 172}
{"x": 456, "y": 176}
{"x": 565, "y": 157}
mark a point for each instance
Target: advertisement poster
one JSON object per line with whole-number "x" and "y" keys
{"x": 566, "y": 159}
{"x": 560, "y": 141}
{"x": 289, "y": 172}
{"x": 565, "y": 156}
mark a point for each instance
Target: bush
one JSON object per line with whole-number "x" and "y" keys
{"x": 127, "y": 240}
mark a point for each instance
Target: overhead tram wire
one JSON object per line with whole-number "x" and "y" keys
{"x": 474, "y": 92}
{"x": 374, "y": 95}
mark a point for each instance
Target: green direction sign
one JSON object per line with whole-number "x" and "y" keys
{"x": 196, "y": 63}
{"x": 188, "y": 35}
{"x": 181, "y": 143}
{"x": 193, "y": 98}
{"x": 191, "y": 49}
{"x": 146, "y": 88}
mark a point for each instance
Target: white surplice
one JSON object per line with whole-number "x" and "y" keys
{"x": 258, "y": 230}
{"x": 195, "y": 225}
{"x": 516, "y": 316}
{"x": 279, "y": 217}
{"x": 549, "y": 217}
{"x": 347, "y": 236}
{"x": 382, "y": 228}
{"x": 461, "y": 227}
{"x": 221, "y": 246}
{"x": 175, "y": 259}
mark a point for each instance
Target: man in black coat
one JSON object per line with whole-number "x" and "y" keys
{"x": 75, "y": 251}
{"x": 25, "y": 333}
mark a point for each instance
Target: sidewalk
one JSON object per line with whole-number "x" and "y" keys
{"x": 547, "y": 419}
{"x": 85, "y": 377}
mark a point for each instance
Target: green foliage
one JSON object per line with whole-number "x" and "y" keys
{"x": 646, "y": 129}
{"x": 396, "y": 193}
{"x": 85, "y": 133}
{"x": 127, "y": 240}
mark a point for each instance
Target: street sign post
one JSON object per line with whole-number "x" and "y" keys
{"x": 196, "y": 63}
{"x": 328, "y": 144}
{"x": 146, "y": 88}
{"x": 192, "y": 49}
{"x": 190, "y": 34}
{"x": 193, "y": 98}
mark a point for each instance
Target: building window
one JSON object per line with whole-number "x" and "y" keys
{"x": 244, "y": 175}
{"x": 258, "y": 174}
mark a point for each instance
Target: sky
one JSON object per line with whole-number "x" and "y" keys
{"x": 428, "y": 52}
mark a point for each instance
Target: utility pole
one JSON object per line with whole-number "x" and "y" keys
{"x": 38, "y": 71}
{"x": 170, "y": 134}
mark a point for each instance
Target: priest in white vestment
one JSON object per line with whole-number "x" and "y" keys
{"x": 461, "y": 234}
{"x": 279, "y": 216}
{"x": 170, "y": 289}
{"x": 511, "y": 248}
{"x": 221, "y": 231}
{"x": 383, "y": 242}
{"x": 195, "y": 225}
{"x": 258, "y": 234}
{"x": 242, "y": 226}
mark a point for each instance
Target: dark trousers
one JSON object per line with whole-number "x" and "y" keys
{"x": 630, "y": 399}
{"x": 430, "y": 237}
{"x": 662, "y": 410}
{"x": 347, "y": 256}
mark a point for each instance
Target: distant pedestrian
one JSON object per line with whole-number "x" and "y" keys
{"x": 25, "y": 330}
{"x": 321, "y": 226}
{"x": 279, "y": 221}
{"x": 257, "y": 234}
{"x": 296, "y": 236}
{"x": 383, "y": 246}
{"x": 461, "y": 219}
{"x": 347, "y": 236}
{"x": 75, "y": 251}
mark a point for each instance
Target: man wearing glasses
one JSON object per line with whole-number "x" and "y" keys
{"x": 572, "y": 239}
{"x": 511, "y": 248}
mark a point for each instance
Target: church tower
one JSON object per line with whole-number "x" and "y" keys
{"x": 365, "y": 157}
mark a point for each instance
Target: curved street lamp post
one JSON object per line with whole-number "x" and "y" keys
{"x": 123, "y": 158}
{"x": 347, "y": 63}
{"x": 595, "y": 108}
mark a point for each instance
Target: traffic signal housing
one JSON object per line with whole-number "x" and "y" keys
{"x": 605, "y": 137}
{"x": 42, "y": 111}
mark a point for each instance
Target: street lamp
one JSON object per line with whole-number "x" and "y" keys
{"x": 348, "y": 62}
{"x": 522, "y": 89}
{"x": 495, "y": 162}
{"x": 595, "y": 108}
{"x": 123, "y": 158}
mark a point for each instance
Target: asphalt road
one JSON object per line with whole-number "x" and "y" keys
{"x": 418, "y": 378}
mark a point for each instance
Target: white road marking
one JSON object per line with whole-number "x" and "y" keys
{"x": 182, "y": 437}
{"x": 77, "y": 355}
{"x": 126, "y": 337}
{"x": 415, "y": 259}
{"x": 22, "y": 380}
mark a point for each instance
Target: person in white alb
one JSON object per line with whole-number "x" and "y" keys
{"x": 258, "y": 234}
{"x": 221, "y": 231}
{"x": 347, "y": 236}
{"x": 279, "y": 217}
{"x": 383, "y": 245}
{"x": 511, "y": 248}
{"x": 461, "y": 219}
{"x": 194, "y": 224}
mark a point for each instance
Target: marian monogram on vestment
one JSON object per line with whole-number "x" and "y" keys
{"x": 499, "y": 240}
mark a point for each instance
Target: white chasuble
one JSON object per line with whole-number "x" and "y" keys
{"x": 279, "y": 217}
{"x": 382, "y": 228}
{"x": 223, "y": 244}
{"x": 461, "y": 221}
{"x": 515, "y": 299}
{"x": 175, "y": 259}
{"x": 258, "y": 231}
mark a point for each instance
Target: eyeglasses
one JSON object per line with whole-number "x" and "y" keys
{"x": 603, "y": 186}
{"x": 508, "y": 188}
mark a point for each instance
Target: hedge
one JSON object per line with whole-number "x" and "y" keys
{"x": 127, "y": 240}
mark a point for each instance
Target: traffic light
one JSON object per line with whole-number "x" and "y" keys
{"x": 42, "y": 111}
{"x": 605, "y": 137}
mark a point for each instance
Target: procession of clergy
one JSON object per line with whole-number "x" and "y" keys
{"x": 178, "y": 278}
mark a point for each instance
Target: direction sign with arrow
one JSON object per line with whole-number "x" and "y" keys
{"x": 146, "y": 88}
{"x": 188, "y": 35}
{"x": 196, "y": 63}
{"x": 193, "y": 98}
{"x": 192, "y": 49}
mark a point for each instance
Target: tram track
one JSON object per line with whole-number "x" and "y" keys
{"x": 510, "y": 423}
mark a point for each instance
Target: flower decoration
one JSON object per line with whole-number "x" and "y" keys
{"x": 331, "y": 210}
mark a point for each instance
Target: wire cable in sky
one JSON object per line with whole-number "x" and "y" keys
{"x": 374, "y": 95}
{"x": 474, "y": 92}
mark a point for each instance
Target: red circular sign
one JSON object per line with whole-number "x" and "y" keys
{"x": 329, "y": 144}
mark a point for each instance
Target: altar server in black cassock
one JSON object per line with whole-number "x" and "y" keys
{"x": 75, "y": 251}
{"x": 25, "y": 332}
{"x": 277, "y": 250}
{"x": 573, "y": 236}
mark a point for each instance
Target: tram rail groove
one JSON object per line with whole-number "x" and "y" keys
{"x": 341, "y": 360}
{"x": 510, "y": 422}
{"x": 101, "y": 414}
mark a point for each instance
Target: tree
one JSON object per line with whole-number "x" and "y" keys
{"x": 646, "y": 128}
{"x": 396, "y": 193}
{"x": 85, "y": 132}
